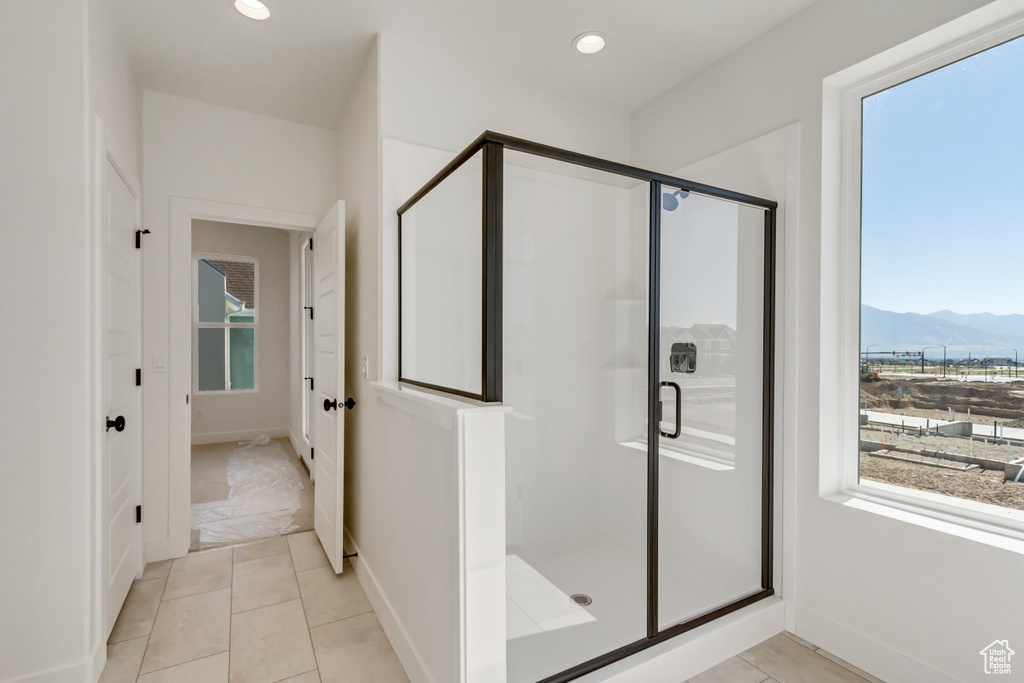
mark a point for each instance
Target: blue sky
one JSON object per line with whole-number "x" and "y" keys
{"x": 943, "y": 189}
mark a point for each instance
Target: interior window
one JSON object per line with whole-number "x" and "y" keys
{"x": 225, "y": 323}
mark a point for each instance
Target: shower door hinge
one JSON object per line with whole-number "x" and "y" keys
{"x": 138, "y": 238}
{"x": 138, "y": 377}
{"x": 138, "y": 514}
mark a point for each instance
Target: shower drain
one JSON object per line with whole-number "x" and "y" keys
{"x": 581, "y": 599}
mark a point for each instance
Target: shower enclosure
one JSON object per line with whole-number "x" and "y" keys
{"x": 627, "y": 318}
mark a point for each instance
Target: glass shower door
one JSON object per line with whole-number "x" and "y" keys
{"x": 575, "y": 376}
{"x": 712, "y": 383}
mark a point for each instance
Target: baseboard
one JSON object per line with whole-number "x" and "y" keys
{"x": 690, "y": 653}
{"x": 98, "y": 661}
{"x": 79, "y": 671}
{"x": 407, "y": 652}
{"x": 244, "y": 435}
{"x": 863, "y": 652}
{"x": 302, "y": 450}
{"x": 156, "y": 549}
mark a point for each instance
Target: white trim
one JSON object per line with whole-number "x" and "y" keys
{"x": 182, "y": 211}
{"x": 96, "y": 596}
{"x": 239, "y": 435}
{"x": 307, "y": 333}
{"x": 840, "y": 259}
{"x": 408, "y": 654}
{"x": 82, "y": 670}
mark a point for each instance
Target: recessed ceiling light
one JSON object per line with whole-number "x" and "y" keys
{"x": 588, "y": 43}
{"x": 254, "y": 9}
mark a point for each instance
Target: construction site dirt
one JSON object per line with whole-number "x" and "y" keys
{"x": 933, "y": 397}
{"x": 915, "y": 459}
{"x": 984, "y": 486}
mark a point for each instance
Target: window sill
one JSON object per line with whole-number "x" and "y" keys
{"x": 922, "y": 510}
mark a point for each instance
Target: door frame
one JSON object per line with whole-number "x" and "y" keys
{"x": 105, "y": 149}
{"x": 183, "y": 210}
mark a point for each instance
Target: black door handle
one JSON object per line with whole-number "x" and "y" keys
{"x": 679, "y": 411}
{"x": 333, "y": 403}
{"x": 117, "y": 424}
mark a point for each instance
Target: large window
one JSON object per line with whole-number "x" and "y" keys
{"x": 932, "y": 157}
{"x": 224, "y": 323}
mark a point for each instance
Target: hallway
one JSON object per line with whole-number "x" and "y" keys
{"x": 268, "y": 611}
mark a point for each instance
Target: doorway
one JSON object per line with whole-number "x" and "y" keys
{"x": 248, "y": 480}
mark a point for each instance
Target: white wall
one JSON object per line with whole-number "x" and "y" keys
{"x": 228, "y": 416}
{"x": 430, "y": 98}
{"x": 888, "y": 596}
{"x": 113, "y": 92}
{"x": 49, "y": 419}
{"x": 207, "y": 152}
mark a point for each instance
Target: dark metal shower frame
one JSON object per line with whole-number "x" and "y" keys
{"x": 493, "y": 145}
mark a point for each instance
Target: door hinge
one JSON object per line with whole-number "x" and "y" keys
{"x": 311, "y": 450}
{"x": 310, "y": 382}
{"x": 138, "y": 377}
{"x": 138, "y": 514}
{"x": 311, "y": 244}
{"x": 138, "y": 238}
{"x": 186, "y": 399}
{"x": 310, "y": 309}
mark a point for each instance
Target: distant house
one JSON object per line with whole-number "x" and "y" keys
{"x": 702, "y": 350}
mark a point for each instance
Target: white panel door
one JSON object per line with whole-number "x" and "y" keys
{"x": 329, "y": 381}
{"x": 121, "y": 448}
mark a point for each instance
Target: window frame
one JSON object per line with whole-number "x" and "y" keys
{"x": 197, "y": 325}
{"x": 843, "y": 94}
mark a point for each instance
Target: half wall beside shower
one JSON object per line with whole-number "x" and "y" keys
{"x": 626, "y": 319}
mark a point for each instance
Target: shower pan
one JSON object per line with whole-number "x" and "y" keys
{"x": 626, "y": 317}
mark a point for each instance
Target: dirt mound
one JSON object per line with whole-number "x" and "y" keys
{"x": 993, "y": 399}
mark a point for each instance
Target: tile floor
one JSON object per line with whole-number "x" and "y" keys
{"x": 210, "y": 485}
{"x": 268, "y": 611}
{"x": 784, "y": 658}
{"x": 275, "y": 611}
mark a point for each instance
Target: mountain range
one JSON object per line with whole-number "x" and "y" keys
{"x": 978, "y": 334}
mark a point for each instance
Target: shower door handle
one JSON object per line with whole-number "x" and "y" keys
{"x": 679, "y": 411}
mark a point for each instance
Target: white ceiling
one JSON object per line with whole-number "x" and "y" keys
{"x": 299, "y": 64}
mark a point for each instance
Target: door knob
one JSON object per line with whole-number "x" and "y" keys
{"x": 333, "y": 403}
{"x": 117, "y": 424}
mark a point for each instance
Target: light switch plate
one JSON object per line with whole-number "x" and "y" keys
{"x": 159, "y": 363}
